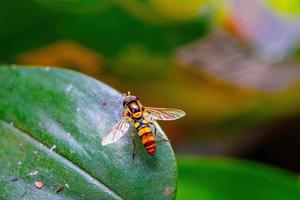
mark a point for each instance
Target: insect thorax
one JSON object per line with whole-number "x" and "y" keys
{"x": 140, "y": 123}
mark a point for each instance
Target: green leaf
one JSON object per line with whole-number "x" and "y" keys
{"x": 229, "y": 179}
{"x": 51, "y": 125}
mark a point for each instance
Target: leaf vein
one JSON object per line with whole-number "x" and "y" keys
{"x": 63, "y": 159}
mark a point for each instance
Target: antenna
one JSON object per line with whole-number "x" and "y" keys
{"x": 127, "y": 95}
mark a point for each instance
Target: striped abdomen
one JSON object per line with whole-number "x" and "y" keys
{"x": 145, "y": 133}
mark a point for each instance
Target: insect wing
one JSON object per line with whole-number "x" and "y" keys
{"x": 164, "y": 113}
{"x": 117, "y": 131}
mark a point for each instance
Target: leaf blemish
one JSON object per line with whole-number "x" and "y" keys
{"x": 33, "y": 173}
{"x": 14, "y": 179}
{"x": 39, "y": 184}
{"x": 60, "y": 189}
{"x": 168, "y": 191}
{"x": 53, "y": 148}
{"x": 69, "y": 88}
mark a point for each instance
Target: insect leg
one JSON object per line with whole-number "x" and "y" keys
{"x": 134, "y": 146}
{"x": 156, "y": 135}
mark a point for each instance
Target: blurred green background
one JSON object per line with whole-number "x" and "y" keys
{"x": 233, "y": 66}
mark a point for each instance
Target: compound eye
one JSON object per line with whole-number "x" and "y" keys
{"x": 134, "y": 98}
{"x": 129, "y": 99}
{"x": 125, "y": 101}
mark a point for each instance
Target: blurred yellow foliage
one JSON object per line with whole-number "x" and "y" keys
{"x": 286, "y": 7}
{"x": 180, "y": 10}
{"x": 164, "y": 12}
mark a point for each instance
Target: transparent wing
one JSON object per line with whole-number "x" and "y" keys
{"x": 117, "y": 131}
{"x": 164, "y": 113}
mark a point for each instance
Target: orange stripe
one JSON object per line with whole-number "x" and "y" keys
{"x": 146, "y": 139}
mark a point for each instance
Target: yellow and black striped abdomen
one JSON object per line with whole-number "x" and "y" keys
{"x": 144, "y": 131}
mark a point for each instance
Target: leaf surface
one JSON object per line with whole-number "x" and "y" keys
{"x": 51, "y": 125}
{"x": 231, "y": 179}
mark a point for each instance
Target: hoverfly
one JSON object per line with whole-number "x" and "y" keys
{"x": 142, "y": 117}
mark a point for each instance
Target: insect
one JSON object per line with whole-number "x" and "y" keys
{"x": 142, "y": 117}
